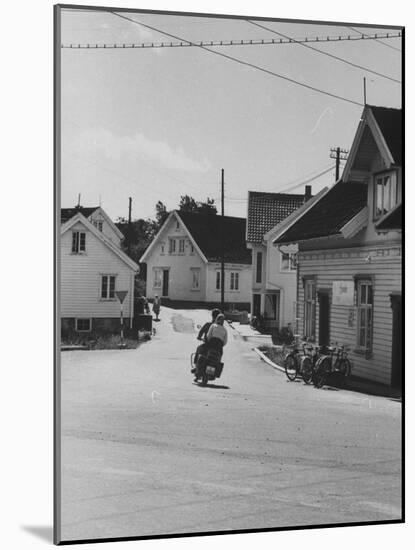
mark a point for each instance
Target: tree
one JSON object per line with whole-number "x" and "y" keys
{"x": 188, "y": 204}
{"x": 161, "y": 214}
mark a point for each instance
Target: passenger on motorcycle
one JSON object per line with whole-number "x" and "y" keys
{"x": 202, "y": 349}
{"x": 217, "y": 335}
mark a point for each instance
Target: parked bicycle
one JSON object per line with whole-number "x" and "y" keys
{"x": 333, "y": 362}
{"x": 299, "y": 362}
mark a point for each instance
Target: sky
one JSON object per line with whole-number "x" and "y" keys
{"x": 157, "y": 123}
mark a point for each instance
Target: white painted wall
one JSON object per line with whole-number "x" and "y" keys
{"x": 180, "y": 266}
{"x": 107, "y": 229}
{"x": 231, "y": 296}
{"x": 81, "y": 278}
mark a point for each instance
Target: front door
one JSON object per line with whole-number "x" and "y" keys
{"x": 165, "y": 283}
{"x": 324, "y": 319}
{"x": 397, "y": 341}
{"x": 256, "y": 305}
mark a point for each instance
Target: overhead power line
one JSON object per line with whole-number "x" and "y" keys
{"x": 290, "y": 188}
{"x": 337, "y": 58}
{"x": 241, "y": 62}
{"x": 377, "y": 39}
{"x": 223, "y": 43}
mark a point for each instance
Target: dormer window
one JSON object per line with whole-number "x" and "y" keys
{"x": 98, "y": 224}
{"x": 386, "y": 193}
{"x": 78, "y": 242}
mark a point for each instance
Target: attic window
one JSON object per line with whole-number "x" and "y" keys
{"x": 386, "y": 193}
{"x": 98, "y": 224}
{"x": 78, "y": 242}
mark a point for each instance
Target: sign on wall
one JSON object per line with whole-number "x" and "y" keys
{"x": 343, "y": 293}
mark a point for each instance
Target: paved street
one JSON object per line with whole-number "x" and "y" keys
{"x": 146, "y": 451}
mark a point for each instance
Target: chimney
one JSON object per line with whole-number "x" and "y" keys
{"x": 307, "y": 194}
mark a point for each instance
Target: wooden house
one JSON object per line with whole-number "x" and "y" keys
{"x": 350, "y": 253}
{"x": 274, "y": 273}
{"x": 184, "y": 261}
{"x": 92, "y": 269}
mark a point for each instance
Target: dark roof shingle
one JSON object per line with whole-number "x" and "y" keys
{"x": 338, "y": 206}
{"x": 390, "y": 124}
{"x": 68, "y": 213}
{"x": 207, "y": 231}
{"x": 392, "y": 221}
{"x": 266, "y": 210}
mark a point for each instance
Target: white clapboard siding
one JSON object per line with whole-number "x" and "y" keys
{"x": 81, "y": 278}
{"x": 385, "y": 268}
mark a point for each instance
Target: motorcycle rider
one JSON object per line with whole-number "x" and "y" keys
{"x": 202, "y": 348}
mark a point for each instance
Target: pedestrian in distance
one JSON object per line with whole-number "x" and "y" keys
{"x": 156, "y": 307}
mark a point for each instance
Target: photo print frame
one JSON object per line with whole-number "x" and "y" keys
{"x": 228, "y": 287}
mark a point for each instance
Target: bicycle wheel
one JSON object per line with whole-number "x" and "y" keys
{"x": 307, "y": 370}
{"x": 290, "y": 367}
{"x": 321, "y": 372}
{"x": 345, "y": 367}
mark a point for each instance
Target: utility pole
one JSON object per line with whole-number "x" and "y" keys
{"x": 222, "y": 270}
{"x": 129, "y": 226}
{"x": 338, "y": 154}
{"x": 364, "y": 91}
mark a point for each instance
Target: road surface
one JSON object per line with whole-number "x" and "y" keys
{"x": 145, "y": 451}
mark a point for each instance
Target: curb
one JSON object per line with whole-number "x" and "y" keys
{"x": 268, "y": 361}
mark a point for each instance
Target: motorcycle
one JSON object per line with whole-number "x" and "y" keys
{"x": 208, "y": 365}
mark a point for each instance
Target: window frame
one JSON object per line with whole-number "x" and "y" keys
{"x": 292, "y": 259}
{"x": 365, "y": 308}
{"x": 234, "y": 281}
{"x": 218, "y": 281}
{"x": 195, "y": 271}
{"x": 310, "y": 300}
{"x": 393, "y": 182}
{"x": 76, "y": 245}
{"x": 182, "y": 245}
{"x": 156, "y": 271}
{"x": 172, "y": 245}
{"x": 77, "y": 319}
{"x": 258, "y": 266}
{"x": 108, "y": 297}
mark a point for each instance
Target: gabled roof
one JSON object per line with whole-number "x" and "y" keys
{"x": 207, "y": 231}
{"x": 392, "y": 221}
{"x": 68, "y": 213}
{"x": 266, "y": 210}
{"x": 390, "y": 124}
{"x": 100, "y": 236}
{"x": 330, "y": 214}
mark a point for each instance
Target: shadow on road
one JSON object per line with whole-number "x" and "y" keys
{"x": 212, "y": 386}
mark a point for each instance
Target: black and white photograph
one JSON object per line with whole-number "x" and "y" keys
{"x": 229, "y": 308}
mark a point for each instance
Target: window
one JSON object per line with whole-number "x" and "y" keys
{"x": 107, "y": 287}
{"x": 364, "y": 314}
{"x": 218, "y": 280}
{"x": 288, "y": 261}
{"x": 162, "y": 249}
{"x": 271, "y": 306}
{"x": 98, "y": 224}
{"x": 259, "y": 267}
{"x": 310, "y": 308}
{"x": 385, "y": 194}
{"x": 192, "y": 248}
{"x": 172, "y": 246}
{"x": 78, "y": 242}
{"x": 234, "y": 280}
{"x": 181, "y": 246}
{"x": 83, "y": 325}
{"x": 158, "y": 275}
{"x": 195, "y": 279}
